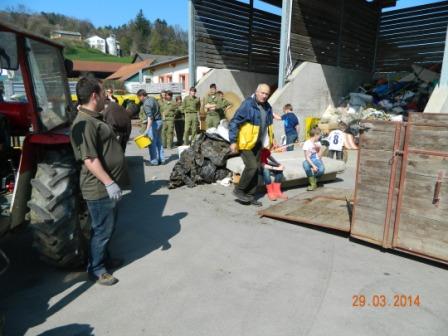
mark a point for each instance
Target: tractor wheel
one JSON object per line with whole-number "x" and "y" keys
{"x": 59, "y": 218}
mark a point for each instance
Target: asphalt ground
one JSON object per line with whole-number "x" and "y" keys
{"x": 199, "y": 263}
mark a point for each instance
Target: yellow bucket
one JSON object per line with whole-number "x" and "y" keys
{"x": 310, "y": 122}
{"x": 142, "y": 141}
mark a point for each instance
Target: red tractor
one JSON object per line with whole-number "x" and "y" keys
{"x": 38, "y": 174}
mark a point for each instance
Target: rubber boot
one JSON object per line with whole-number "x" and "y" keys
{"x": 278, "y": 191}
{"x": 271, "y": 193}
{"x": 313, "y": 183}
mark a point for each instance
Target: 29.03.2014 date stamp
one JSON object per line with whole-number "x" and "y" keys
{"x": 383, "y": 301}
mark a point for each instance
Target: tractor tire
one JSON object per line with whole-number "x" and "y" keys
{"x": 59, "y": 219}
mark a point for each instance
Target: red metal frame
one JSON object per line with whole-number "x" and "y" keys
{"x": 355, "y": 197}
{"x": 391, "y": 191}
{"x": 27, "y": 82}
{"x": 404, "y": 166}
{"x": 49, "y": 139}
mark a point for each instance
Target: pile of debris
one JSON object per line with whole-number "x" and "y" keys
{"x": 203, "y": 162}
{"x": 385, "y": 99}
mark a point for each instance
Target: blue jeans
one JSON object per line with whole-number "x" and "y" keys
{"x": 318, "y": 163}
{"x": 291, "y": 138}
{"x": 156, "y": 153}
{"x": 278, "y": 175}
{"x": 103, "y": 215}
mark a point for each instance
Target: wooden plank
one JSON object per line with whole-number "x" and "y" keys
{"x": 415, "y": 35}
{"x": 222, "y": 36}
{"x": 315, "y": 209}
{"x": 411, "y": 32}
{"x": 368, "y": 222}
{"x": 422, "y": 19}
{"x": 423, "y": 224}
{"x": 428, "y": 118}
{"x": 429, "y": 138}
{"x": 376, "y": 140}
{"x": 373, "y": 183}
{"x": 423, "y": 235}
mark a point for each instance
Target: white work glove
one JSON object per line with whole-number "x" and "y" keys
{"x": 114, "y": 191}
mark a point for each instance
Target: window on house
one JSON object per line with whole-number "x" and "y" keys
{"x": 183, "y": 81}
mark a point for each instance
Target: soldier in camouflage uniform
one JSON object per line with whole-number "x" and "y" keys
{"x": 190, "y": 107}
{"x": 168, "y": 109}
{"x": 223, "y": 105}
{"x": 210, "y": 102}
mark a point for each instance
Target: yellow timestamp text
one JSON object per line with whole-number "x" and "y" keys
{"x": 384, "y": 301}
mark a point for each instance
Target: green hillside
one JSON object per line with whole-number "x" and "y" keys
{"x": 79, "y": 51}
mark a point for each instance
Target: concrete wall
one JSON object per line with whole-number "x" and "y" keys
{"x": 241, "y": 83}
{"x": 311, "y": 88}
{"x": 438, "y": 102}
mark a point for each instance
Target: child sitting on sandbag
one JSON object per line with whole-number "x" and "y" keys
{"x": 271, "y": 167}
{"x": 313, "y": 164}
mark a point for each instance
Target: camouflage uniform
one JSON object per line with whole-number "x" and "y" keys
{"x": 190, "y": 107}
{"x": 212, "y": 116}
{"x": 168, "y": 109}
{"x": 221, "y": 107}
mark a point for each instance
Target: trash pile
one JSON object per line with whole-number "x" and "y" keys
{"x": 204, "y": 162}
{"x": 385, "y": 99}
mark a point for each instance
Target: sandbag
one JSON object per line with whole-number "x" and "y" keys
{"x": 208, "y": 171}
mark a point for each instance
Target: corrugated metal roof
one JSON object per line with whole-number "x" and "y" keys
{"x": 154, "y": 58}
{"x": 129, "y": 70}
{"x": 170, "y": 60}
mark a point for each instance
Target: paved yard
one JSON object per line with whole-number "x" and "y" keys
{"x": 198, "y": 263}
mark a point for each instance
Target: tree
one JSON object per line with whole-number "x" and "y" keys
{"x": 138, "y": 35}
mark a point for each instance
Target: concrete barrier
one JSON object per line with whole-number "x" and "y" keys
{"x": 294, "y": 173}
{"x": 311, "y": 88}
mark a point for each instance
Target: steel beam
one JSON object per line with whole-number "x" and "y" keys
{"x": 191, "y": 45}
{"x": 284, "y": 41}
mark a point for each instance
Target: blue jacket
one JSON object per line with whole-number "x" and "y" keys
{"x": 245, "y": 124}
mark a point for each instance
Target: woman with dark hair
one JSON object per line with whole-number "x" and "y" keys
{"x": 179, "y": 122}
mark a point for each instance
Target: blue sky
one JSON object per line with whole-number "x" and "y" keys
{"x": 119, "y": 12}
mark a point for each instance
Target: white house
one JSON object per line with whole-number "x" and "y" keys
{"x": 174, "y": 70}
{"x": 112, "y": 45}
{"x": 157, "y": 71}
{"x": 97, "y": 42}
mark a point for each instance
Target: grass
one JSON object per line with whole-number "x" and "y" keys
{"x": 79, "y": 52}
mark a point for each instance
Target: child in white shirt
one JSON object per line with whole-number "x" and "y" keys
{"x": 313, "y": 164}
{"x": 336, "y": 140}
